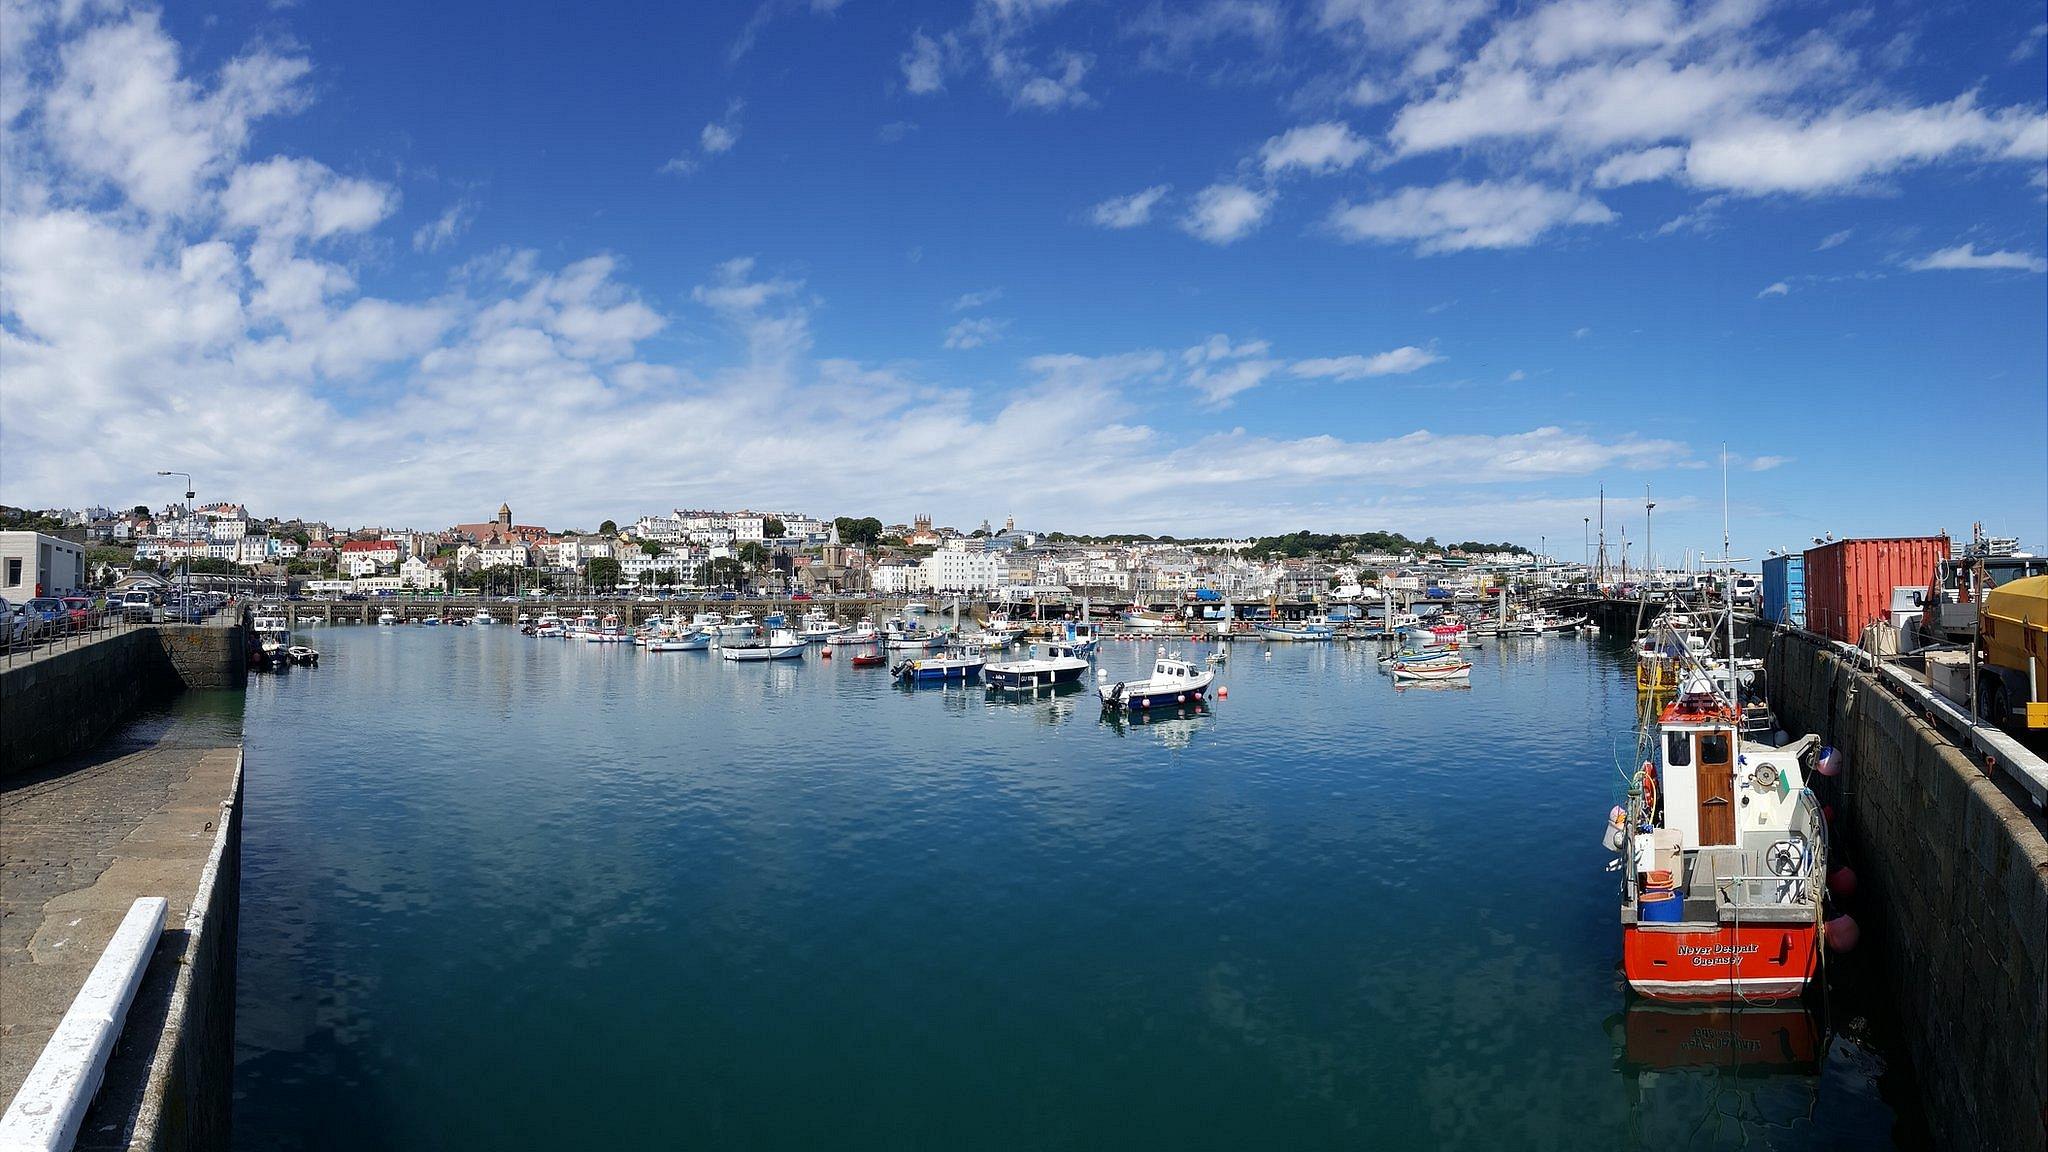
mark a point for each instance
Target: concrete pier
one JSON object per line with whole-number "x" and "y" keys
{"x": 1953, "y": 891}
{"x": 153, "y": 811}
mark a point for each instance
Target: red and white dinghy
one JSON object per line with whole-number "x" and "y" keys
{"x": 1725, "y": 866}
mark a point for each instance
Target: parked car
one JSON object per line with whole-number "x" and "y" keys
{"x": 800, "y": 596}
{"x": 138, "y": 604}
{"x": 15, "y": 623}
{"x": 80, "y": 610}
{"x": 48, "y": 613}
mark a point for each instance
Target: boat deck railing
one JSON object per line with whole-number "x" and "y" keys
{"x": 1766, "y": 897}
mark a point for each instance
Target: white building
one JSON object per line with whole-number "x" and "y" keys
{"x": 899, "y": 580}
{"x": 954, "y": 570}
{"x": 414, "y": 572}
{"x": 33, "y": 564}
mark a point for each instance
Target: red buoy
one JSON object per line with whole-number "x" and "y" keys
{"x": 1842, "y": 933}
{"x": 1842, "y": 882}
{"x": 1223, "y": 693}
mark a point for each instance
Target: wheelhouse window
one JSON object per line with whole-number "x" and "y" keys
{"x": 1714, "y": 748}
{"x": 1678, "y": 749}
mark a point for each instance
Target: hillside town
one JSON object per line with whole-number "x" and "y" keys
{"x": 747, "y": 551}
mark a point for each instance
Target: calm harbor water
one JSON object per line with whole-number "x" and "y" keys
{"x": 501, "y": 892}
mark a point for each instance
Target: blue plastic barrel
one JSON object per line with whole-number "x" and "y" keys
{"x": 1660, "y": 907}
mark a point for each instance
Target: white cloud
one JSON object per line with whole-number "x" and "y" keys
{"x": 1657, "y": 90}
{"x": 1220, "y": 369}
{"x": 443, "y": 230}
{"x": 1964, "y": 257}
{"x": 1834, "y": 240}
{"x": 1227, "y": 213}
{"x": 1581, "y": 333}
{"x": 716, "y": 138}
{"x": 997, "y": 34}
{"x": 1398, "y": 362}
{"x": 1766, "y": 463}
{"x": 1457, "y": 216}
{"x": 287, "y": 198}
{"x": 120, "y": 111}
{"x": 1060, "y": 90}
{"x": 1129, "y": 211}
{"x": 1316, "y": 149}
{"x": 975, "y": 331}
{"x": 1846, "y": 150}
{"x": 1175, "y": 38}
{"x": 1517, "y": 376}
{"x": 982, "y": 299}
{"x": 1778, "y": 289}
{"x": 1402, "y": 22}
{"x": 1639, "y": 167}
{"x": 924, "y": 69}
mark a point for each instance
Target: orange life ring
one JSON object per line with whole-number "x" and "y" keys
{"x": 1649, "y": 789}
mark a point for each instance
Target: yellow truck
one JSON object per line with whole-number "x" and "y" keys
{"x": 2013, "y": 676}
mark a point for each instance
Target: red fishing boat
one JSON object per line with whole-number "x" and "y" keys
{"x": 1724, "y": 858}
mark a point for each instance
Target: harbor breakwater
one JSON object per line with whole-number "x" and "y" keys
{"x": 1952, "y": 888}
{"x": 61, "y": 702}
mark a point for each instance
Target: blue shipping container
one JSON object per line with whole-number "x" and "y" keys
{"x": 1784, "y": 598}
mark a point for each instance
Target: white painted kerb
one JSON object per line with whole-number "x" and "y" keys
{"x": 46, "y": 1114}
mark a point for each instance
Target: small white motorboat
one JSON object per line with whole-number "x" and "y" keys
{"x": 1060, "y": 665}
{"x": 764, "y": 644}
{"x": 1173, "y": 681}
{"x": 962, "y": 664}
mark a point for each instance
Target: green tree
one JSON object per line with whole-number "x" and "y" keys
{"x": 608, "y": 528}
{"x": 866, "y": 531}
{"x": 602, "y": 571}
{"x": 651, "y": 548}
{"x": 753, "y": 554}
{"x": 724, "y": 572}
{"x": 773, "y": 528}
{"x": 140, "y": 511}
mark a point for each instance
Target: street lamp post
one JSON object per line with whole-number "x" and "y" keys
{"x": 186, "y": 582}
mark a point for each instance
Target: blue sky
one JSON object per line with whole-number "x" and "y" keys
{"x": 1232, "y": 266}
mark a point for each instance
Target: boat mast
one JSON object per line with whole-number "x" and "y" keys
{"x": 1728, "y": 596}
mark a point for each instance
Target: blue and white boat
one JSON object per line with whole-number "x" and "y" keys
{"x": 961, "y": 664}
{"x": 1082, "y": 637}
{"x": 1309, "y": 630}
{"x": 1173, "y": 682}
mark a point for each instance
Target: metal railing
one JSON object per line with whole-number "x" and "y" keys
{"x": 28, "y": 636}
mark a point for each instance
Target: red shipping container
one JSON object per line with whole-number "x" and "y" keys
{"x": 1849, "y": 582}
